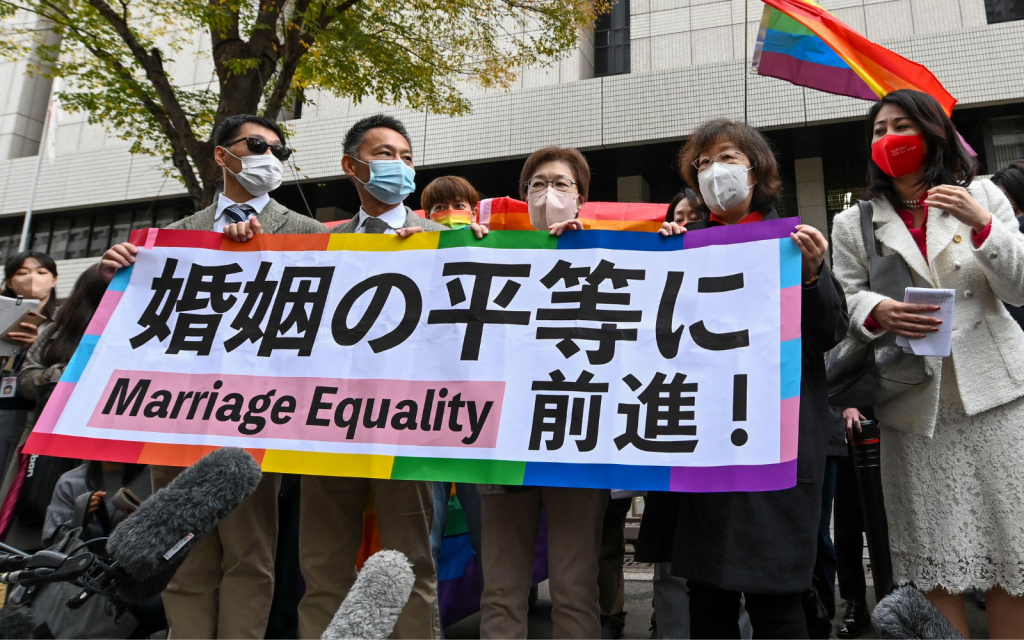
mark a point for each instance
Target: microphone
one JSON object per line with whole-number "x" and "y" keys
{"x": 372, "y": 606}
{"x": 16, "y": 622}
{"x": 906, "y": 613}
{"x": 150, "y": 544}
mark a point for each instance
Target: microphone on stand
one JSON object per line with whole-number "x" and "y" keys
{"x": 151, "y": 543}
{"x": 146, "y": 549}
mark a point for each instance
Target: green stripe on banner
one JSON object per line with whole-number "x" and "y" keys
{"x": 498, "y": 240}
{"x": 454, "y": 470}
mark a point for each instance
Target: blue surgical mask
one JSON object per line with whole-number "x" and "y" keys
{"x": 391, "y": 181}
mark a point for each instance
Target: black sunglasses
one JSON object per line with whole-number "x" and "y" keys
{"x": 259, "y": 146}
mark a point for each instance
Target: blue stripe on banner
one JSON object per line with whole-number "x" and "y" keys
{"x": 609, "y": 476}
{"x": 81, "y": 358}
{"x": 623, "y": 240}
{"x": 803, "y": 47}
{"x": 790, "y": 264}
{"x": 121, "y": 278}
{"x": 789, "y": 373}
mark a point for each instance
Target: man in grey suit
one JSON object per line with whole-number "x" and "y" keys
{"x": 378, "y": 159}
{"x": 225, "y": 587}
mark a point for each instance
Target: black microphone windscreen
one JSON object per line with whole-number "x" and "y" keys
{"x": 372, "y": 606}
{"x": 16, "y": 622}
{"x": 151, "y": 544}
{"x": 906, "y": 613}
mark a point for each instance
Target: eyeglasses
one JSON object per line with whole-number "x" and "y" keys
{"x": 726, "y": 157}
{"x": 259, "y": 146}
{"x": 537, "y": 185}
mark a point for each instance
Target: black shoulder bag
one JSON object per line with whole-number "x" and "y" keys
{"x": 864, "y": 374}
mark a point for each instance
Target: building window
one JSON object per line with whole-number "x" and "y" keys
{"x": 611, "y": 41}
{"x": 1004, "y": 10}
{"x": 1007, "y": 141}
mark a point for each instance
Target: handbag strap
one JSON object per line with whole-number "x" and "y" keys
{"x": 81, "y": 516}
{"x": 867, "y": 229}
{"x": 888, "y": 275}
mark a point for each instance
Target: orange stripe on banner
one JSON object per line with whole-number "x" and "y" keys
{"x": 622, "y": 225}
{"x": 279, "y": 242}
{"x": 183, "y": 455}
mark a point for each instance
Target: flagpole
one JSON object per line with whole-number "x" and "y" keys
{"x": 746, "y": 19}
{"x": 27, "y": 225}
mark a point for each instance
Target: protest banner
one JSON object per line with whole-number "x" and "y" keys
{"x": 598, "y": 359}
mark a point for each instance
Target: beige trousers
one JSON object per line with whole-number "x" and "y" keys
{"x": 225, "y": 586}
{"x": 510, "y": 522}
{"x": 331, "y": 533}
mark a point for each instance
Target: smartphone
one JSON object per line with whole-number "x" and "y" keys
{"x": 31, "y": 317}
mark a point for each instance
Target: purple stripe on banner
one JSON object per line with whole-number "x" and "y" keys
{"x": 768, "y": 477}
{"x": 737, "y": 233}
{"x": 843, "y": 82}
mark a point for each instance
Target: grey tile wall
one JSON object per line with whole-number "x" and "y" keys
{"x": 687, "y": 68}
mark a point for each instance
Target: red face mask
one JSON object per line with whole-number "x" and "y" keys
{"x": 899, "y": 155}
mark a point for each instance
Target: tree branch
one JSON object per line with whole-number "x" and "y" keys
{"x": 180, "y": 132}
{"x": 297, "y": 43}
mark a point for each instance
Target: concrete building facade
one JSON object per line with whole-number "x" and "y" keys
{"x": 627, "y": 97}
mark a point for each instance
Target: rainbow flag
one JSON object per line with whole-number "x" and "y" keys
{"x": 802, "y": 43}
{"x": 459, "y": 581}
{"x": 509, "y": 214}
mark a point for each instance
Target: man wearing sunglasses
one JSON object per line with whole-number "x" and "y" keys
{"x": 225, "y": 587}
{"x": 251, "y": 150}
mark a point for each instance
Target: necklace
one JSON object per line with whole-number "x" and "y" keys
{"x": 912, "y": 204}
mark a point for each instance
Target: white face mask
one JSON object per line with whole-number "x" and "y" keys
{"x": 550, "y": 207}
{"x": 723, "y": 186}
{"x": 259, "y": 174}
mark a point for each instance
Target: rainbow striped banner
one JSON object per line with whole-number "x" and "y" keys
{"x": 70, "y": 433}
{"x": 802, "y": 43}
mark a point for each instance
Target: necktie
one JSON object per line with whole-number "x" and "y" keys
{"x": 239, "y": 212}
{"x": 375, "y": 225}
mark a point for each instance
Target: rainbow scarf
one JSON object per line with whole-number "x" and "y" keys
{"x": 453, "y": 218}
{"x": 802, "y": 43}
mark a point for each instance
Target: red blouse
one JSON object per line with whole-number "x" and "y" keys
{"x": 753, "y": 216}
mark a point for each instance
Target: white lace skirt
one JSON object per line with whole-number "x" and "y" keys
{"x": 955, "y": 502}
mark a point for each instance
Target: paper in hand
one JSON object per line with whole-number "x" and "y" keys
{"x": 937, "y": 343}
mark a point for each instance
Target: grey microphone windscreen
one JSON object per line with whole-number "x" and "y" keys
{"x": 372, "y": 606}
{"x": 151, "y": 544}
{"x": 906, "y": 613}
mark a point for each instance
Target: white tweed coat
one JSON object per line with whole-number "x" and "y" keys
{"x": 988, "y": 345}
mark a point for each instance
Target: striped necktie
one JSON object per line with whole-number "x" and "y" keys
{"x": 239, "y": 212}
{"x": 375, "y": 225}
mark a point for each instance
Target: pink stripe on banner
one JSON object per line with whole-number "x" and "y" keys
{"x": 103, "y": 312}
{"x": 398, "y": 412}
{"x": 151, "y": 238}
{"x": 790, "y": 316}
{"x": 767, "y": 477}
{"x": 789, "y": 428}
{"x": 47, "y": 422}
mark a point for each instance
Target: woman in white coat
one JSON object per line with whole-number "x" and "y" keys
{"x": 952, "y": 447}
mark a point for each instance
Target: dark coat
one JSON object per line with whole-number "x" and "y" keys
{"x": 760, "y": 542}
{"x": 1017, "y": 312}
